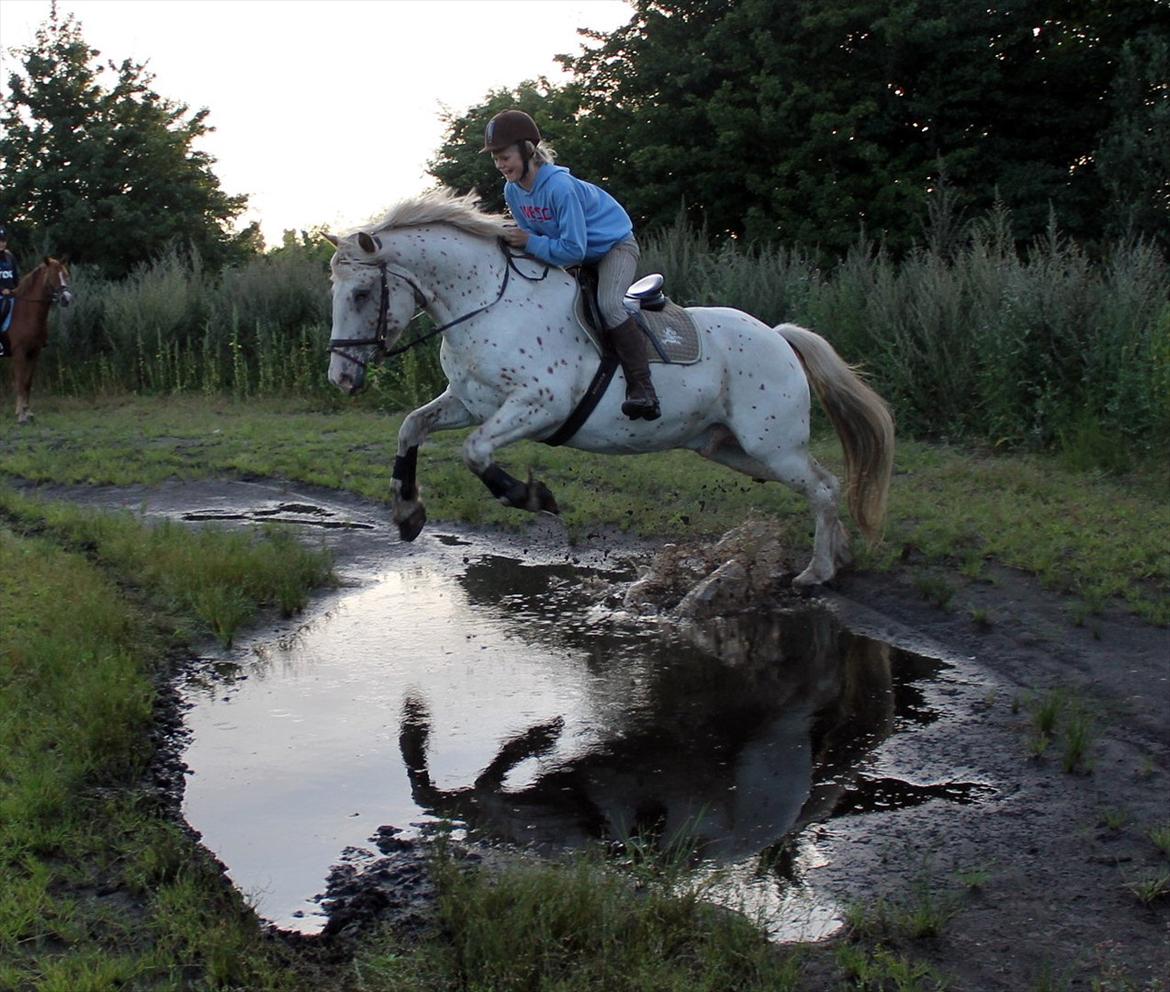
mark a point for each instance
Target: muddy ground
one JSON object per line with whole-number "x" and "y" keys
{"x": 1036, "y": 885}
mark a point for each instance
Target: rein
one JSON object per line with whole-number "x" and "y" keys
{"x": 54, "y": 293}
{"x": 378, "y": 339}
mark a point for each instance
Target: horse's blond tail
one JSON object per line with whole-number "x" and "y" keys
{"x": 863, "y": 422}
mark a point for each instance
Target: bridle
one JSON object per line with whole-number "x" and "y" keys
{"x": 54, "y": 293}
{"x": 377, "y": 340}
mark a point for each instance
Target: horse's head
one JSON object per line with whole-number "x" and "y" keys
{"x": 57, "y": 281}
{"x": 373, "y": 302}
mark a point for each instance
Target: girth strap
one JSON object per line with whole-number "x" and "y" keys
{"x": 588, "y": 403}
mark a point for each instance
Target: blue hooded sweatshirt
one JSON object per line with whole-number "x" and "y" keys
{"x": 569, "y": 221}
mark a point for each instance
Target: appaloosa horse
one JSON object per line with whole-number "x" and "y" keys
{"x": 28, "y": 328}
{"x": 519, "y": 362}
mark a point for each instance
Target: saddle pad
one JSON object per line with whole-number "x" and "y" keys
{"x": 671, "y": 327}
{"x": 674, "y": 330}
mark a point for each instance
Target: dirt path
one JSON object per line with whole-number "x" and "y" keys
{"x": 1041, "y": 877}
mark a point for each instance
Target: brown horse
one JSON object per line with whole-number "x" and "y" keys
{"x": 28, "y": 331}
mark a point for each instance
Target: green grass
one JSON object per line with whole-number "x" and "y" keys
{"x": 101, "y": 891}
{"x": 576, "y": 927}
{"x": 1060, "y": 715}
{"x": 1100, "y": 539}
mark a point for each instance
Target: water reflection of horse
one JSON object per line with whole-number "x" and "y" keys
{"x": 729, "y": 755}
{"x": 518, "y": 364}
{"x": 28, "y": 329}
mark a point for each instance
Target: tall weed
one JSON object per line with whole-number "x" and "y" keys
{"x": 967, "y": 336}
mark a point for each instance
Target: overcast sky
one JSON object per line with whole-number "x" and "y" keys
{"x": 326, "y": 111}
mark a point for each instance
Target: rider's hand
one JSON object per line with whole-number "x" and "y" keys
{"x": 517, "y": 237}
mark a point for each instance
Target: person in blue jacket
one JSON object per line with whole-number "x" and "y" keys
{"x": 566, "y": 221}
{"x": 9, "y": 279}
{"x": 9, "y": 271}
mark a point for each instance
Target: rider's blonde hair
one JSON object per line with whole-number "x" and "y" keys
{"x": 542, "y": 154}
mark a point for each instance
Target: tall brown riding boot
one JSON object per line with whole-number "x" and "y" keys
{"x": 630, "y": 344}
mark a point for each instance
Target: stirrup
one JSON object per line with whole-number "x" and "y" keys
{"x": 643, "y": 409}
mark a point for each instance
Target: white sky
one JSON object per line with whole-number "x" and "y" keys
{"x": 325, "y": 111}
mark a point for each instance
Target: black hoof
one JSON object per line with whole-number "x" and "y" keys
{"x": 542, "y": 500}
{"x": 412, "y": 526}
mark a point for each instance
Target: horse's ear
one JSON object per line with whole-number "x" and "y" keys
{"x": 369, "y": 244}
{"x": 333, "y": 239}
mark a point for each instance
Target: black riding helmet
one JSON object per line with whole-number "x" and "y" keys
{"x": 3, "y": 233}
{"x": 509, "y": 127}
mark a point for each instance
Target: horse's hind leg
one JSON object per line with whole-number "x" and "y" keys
{"x": 445, "y": 412}
{"x": 798, "y": 470}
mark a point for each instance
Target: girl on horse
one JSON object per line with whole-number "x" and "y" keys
{"x": 565, "y": 221}
{"x": 9, "y": 279}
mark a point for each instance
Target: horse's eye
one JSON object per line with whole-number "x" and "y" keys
{"x": 361, "y": 295}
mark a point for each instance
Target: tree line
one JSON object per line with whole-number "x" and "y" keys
{"x": 797, "y": 122}
{"x": 805, "y": 122}
{"x": 108, "y": 172}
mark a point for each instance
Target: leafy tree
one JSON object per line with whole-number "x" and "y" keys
{"x": 803, "y": 121}
{"x": 108, "y": 176}
{"x": 1133, "y": 158}
{"x": 459, "y": 163}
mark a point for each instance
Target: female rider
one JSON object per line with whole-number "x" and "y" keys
{"x": 566, "y": 221}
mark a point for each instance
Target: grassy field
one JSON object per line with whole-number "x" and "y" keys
{"x": 1105, "y": 539}
{"x": 103, "y": 891}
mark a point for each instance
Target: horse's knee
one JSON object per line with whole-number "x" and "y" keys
{"x": 477, "y": 455}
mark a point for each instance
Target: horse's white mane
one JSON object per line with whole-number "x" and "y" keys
{"x": 441, "y": 206}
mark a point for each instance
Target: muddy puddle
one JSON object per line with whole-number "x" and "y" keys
{"x": 472, "y": 683}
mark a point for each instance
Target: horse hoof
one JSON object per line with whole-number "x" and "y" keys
{"x": 548, "y": 502}
{"x": 807, "y": 581}
{"x": 412, "y": 526}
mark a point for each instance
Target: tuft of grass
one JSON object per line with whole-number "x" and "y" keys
{"x": 935, "y": 589}
{"x": 1160, "y": 835}
{"x": 882, "y": 970}
{"x": 974, "y": 879}
{"x": 1149, "y": 889}
{"x": 923, "y": 913}
{"x": 1078, "y": 739}
{"x": 1114, "y": 819}
{"x": 577, "y": 925}
{"x": 1058, "y": 714}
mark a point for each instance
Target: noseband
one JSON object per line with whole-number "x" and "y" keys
{"x": 377, "y": 340}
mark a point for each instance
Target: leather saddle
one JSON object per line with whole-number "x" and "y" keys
{"x": 672, "y": 334}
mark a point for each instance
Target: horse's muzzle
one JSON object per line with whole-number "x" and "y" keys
{"x": 346, "y": 376}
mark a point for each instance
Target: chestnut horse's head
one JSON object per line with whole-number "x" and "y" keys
{"x": 47, "y": 283}
{"x": 56, "y": 281}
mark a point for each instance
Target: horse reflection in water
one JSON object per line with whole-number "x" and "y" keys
{"x": 725, "y": 757}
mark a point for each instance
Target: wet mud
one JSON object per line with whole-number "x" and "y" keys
{"x": 905, "y": 735}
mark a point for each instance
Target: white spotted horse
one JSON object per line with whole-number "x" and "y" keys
{"x": 519, "y": 362}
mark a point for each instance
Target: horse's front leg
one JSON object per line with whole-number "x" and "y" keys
{"x": 22, "y": 373}
{"x": 445, "y": 412}
{"x": 516, "y": 420}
